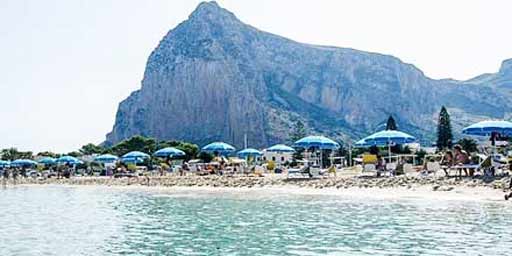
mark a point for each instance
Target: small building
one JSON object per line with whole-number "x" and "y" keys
{"x": 277, "y": 157}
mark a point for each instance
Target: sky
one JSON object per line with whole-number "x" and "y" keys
{"x": 65, "y": 65}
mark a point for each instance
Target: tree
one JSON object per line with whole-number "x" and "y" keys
{"x": 391, "y": 124}
{"x": 298, "y": 131}
{"x": 13, "y": 154}
{"x": 91, "y": 149}
{"x": 48, "y": 154}
{"x": 135, "y": 143}
{"x": 74, "y": 154}
{"x": 444, "y": 130}
{"x": 468, "y": 145}
{"x": 205, "y": 157}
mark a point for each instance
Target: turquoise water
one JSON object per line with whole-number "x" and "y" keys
{"x": 102, "y": 221}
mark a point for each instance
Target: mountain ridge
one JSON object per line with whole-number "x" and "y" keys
{"x": 258, "y": 84}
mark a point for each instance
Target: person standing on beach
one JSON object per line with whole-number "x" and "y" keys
{"x": 5, "y": 176}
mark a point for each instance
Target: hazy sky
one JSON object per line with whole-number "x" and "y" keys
{"x": 65, "y": 65}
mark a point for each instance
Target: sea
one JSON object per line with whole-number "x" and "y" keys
{"x": 95, "y": 220}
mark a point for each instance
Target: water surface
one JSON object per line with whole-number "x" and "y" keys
{"x": 58, "y": 220}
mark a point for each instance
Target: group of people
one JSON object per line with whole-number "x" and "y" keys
{"x": 456, "y": 157}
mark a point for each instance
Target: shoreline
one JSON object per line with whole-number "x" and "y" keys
{"x": 386, "y": 188}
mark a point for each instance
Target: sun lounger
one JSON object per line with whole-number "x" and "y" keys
{"x": 369, "y": 168}
{"x": 485, "y": 166}
{"x": 391, "y": 168}
{"x": 305, "y": 171}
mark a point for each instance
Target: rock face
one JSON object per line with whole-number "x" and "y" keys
{"x": 216, "y": 78}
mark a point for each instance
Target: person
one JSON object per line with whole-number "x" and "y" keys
{"x": 5, "y": 175}
{"x": 461, "y": 158}
{"x": 447, "y": 161}
{"x": 185, "y": 168}
{"x": 381, "y": 165}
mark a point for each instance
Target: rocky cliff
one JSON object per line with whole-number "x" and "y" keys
{"x": 216, "y": 78}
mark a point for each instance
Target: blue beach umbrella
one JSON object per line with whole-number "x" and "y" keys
{"x": 320, "y": 142}
{"x": 134, "y": 157}
{"x": 386, "y": 138}
{"x": 220, "y": 147}
{"x": 47, "y": 160}
{"x": 106, "y": 158}
{"x": 23, "y": 163}
{"x": 249, "y": 152}
{"x": 137, "y": 154}
{"x": 4, "y": 163}
{"x": 169, "y": 152}
{"x": 281, "y": 148}
{"x": 67, "y": 160}
{"x": 487, "y": 128}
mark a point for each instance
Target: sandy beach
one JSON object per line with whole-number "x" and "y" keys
{"x": 386, "y": 188}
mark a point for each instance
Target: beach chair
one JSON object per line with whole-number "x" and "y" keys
{"x": 369, "y": 164}
{"x": 391, "y": 168}
{"x": 408, "y": 168}
{"x": 369, "y": 168}
{"x": 303, "y": 172}
{"x": 432, "y": 168}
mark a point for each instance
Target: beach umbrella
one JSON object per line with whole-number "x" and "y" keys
{"x": 134, "y": 157}
{"x": 490, "y": 128}
{"x": 106, "y": 158}
{"x": 487, "y": 128}
{"x": 249, "y": 152}
{"x": 137, "y": 154}
{"x": 67, "y": 160}
{"x": 4, "y": 163}
{"x": 320, "y": 142}
{"x": 47, "y": 160}
{"x": 23, "y": 163}
{"x": 169, "y": 152}
{"x": 386, "y": 138}
{"x": 280, "y": 148}
{"x": 132, "y": 160}
{"x": 220, "y": 147}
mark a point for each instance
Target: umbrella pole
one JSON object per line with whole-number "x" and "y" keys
{"x": 321, "y": 159}
{"x": 389, "y": 152}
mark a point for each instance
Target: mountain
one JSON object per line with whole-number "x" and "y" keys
{"x": 216, "y": 78}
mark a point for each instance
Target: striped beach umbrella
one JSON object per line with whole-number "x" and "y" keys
{"x": 280, "y": 148}
{"x": 320, "y": 142}
{"x": 219, "y": 147}
{"x": 169, "y": 152}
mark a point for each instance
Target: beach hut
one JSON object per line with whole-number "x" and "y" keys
{"x": 278, "y": 153}
{"x": 220, "y": 148}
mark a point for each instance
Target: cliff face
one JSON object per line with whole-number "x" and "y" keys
{"x": 216, "y": 78}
